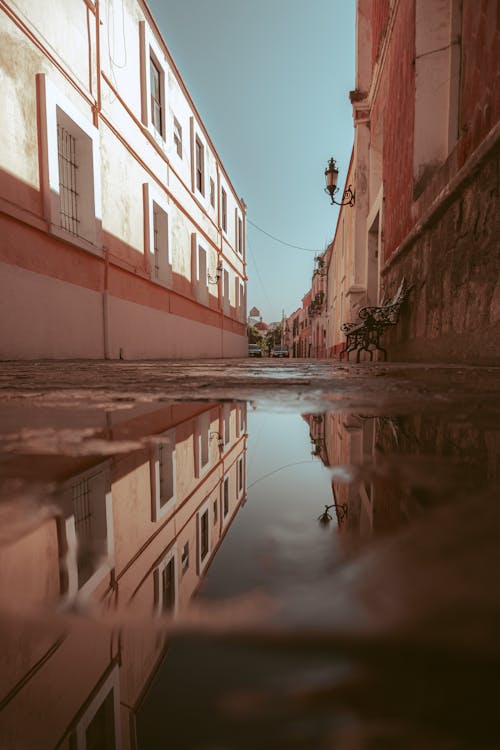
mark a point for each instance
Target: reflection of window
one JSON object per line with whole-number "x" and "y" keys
{"x": 178, "y": 137}
{"x": 165, "y": 584}
{"x": 224, "y": 209}
{"x": 70, "y": 168}
{"x": 162, "y": 470}
{"x": 203, "y": 535}
{"x": 185, "y": 557}
{"x": 201, "y": 445}
{"x": 99, "y": 726}
{"x": 225, "y": 497}
{"x": 216, "y": 512}
{"x": 199, "y": 166}
{"x": 226, "y": 416}
{"x": 240, "y": 475}
{"x": 87, "y": 531}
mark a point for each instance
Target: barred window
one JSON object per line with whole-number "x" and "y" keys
{"x": 200, "y": 166}
{"x": 68, "y": 170}
{"x": 178, "y": 137}
{"x": 156, "y": 96}
{"x": 224, "y": 209}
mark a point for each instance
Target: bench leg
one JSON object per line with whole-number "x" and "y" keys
{"x": 364, "y": 349}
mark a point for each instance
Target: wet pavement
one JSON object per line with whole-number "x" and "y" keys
{"x": 229, "y": 554}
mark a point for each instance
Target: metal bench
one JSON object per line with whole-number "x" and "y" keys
{"x": 364, "y": 335}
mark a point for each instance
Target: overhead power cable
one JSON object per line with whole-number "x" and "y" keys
{"x": 282, "y": 242}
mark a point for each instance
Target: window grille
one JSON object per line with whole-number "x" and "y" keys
{"x": 68, "y": 166}
{"x": 156, "y": 99}
{"x": 82, "y": 510}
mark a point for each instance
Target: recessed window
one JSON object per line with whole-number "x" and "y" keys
{"x": 226, "y": 416}
{"x": 163, "y": 475}
{"x": 157, "y": 235}
{"x": 70, "y": 168}
{"x": 239, "y": 243}
{"x": 99, "y": 721}
{"x": 165, "y": 584}
{"x": 202, "y": 444}
{"x": 240, "y": 475}
{"x": 204, "y": 535}
{"x": 212, "y": 193}
{"x": 153, "y": 100}
{"x": 87, "y": 531}
{"x": 216, "y": 512}
{"x": 178, "y": 137}
{"x": 199, "y": 166}
{"x": 224, "y": 209}
{"x": 156, "y": 95}
{"x": 185, "y": 558}
{"x": 199, "y": 270}
{"x": 225, "y": 497}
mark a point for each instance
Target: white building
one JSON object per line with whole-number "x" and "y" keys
{"x": 121, "y": 233}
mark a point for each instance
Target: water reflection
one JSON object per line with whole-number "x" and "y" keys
{"x": 350, "y": 603}
{"x": 132, "y": 534}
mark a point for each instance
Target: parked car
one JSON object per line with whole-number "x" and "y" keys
{"x": 254, "y": 350}
{"x": 280, "y": 351}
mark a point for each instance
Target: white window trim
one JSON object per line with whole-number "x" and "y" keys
{"x": 199, "y": 286}
{"x": 70, "y": 559}
{"x": 171, "y": 554}
{"x": 152, "y": 194}
{"x": 203, "y": 421}
{"x": 149, "y": 47}
{"x": 201, "y": 564}
{"x": 111, "y": 684}
{"x": 50, "y": 98}
{"x": 157, "y": 511}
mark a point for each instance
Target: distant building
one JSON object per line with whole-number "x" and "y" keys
{"x": 121, "y": 232}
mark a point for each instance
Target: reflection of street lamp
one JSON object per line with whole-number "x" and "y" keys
{"x": 218, "y": 436}
{"x": 214, "y": 278}
{"x": 331, "y": 175}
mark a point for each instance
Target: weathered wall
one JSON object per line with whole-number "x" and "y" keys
{"x": 453, "y": 312}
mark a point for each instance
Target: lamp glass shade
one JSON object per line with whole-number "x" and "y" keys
{"x": 331, "y": 174}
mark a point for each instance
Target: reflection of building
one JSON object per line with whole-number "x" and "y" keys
{"x": 133, "y": 536}
{"x": 382, "y": 465}
{"x": 121, "y": 233}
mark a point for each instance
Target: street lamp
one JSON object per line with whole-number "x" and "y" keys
{"x": 331, "y": 175}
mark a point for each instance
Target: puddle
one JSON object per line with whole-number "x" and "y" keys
{"x": 218, "y": 575}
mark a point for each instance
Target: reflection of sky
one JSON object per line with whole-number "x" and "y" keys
{"x": 287, "y": 489}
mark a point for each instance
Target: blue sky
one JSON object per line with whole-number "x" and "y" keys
{"x": 271, "y": 80}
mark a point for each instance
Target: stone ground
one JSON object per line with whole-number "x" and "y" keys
{"x": 342, "y": 385}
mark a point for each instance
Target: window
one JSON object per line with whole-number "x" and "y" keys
{"x": 226, "y": 417}
{"x": 199, "y": 166}
{"x": 86, "y": 531}
{"x": 162, "y": 471}
{"x": 153, "y": 100}
{"x": 201, "y": 444}
{"x": 156, "y": 95}
{"x": 178, "y": 137}
{"x": 199, "y": 270}
{"x": 165, "y": 584}
{"x": 216, "y": 512}
{"x": 212, "y": 193}
{"x": 71, "y": 181}
{"x": 224, "y": 209}
{"x": 185, "y": 558}
{"x": 99, "y": 725}
{"x": 203, "y": 536}
{"x": 225, "y": 497}
{"x": 240, "y": 475}
{"x": 157, "y": 234}
{"x": 239, "y": 241}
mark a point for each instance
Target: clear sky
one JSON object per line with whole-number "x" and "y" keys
{"x": 271, "y": 79}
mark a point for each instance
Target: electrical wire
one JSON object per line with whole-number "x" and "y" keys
{"x": 258, "y": 274}
{"x": 282, "y": 242}
{"x": 275, "y": 471}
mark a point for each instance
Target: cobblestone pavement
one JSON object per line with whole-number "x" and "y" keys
{"x": 348, "y": 385}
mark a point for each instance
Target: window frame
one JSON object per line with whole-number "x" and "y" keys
{"x": 177, "y": 137}
{"x": 150, "y": 50}
{"x": 199, "y": 165}
{"x": 203, "y": 561}
{"x": 50, "y": 101}
{"x": 152, "y": 195}
{"x": 223, "y": 210}
{"x": 158, "y": 509}
{"x": 170, "y": 556}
